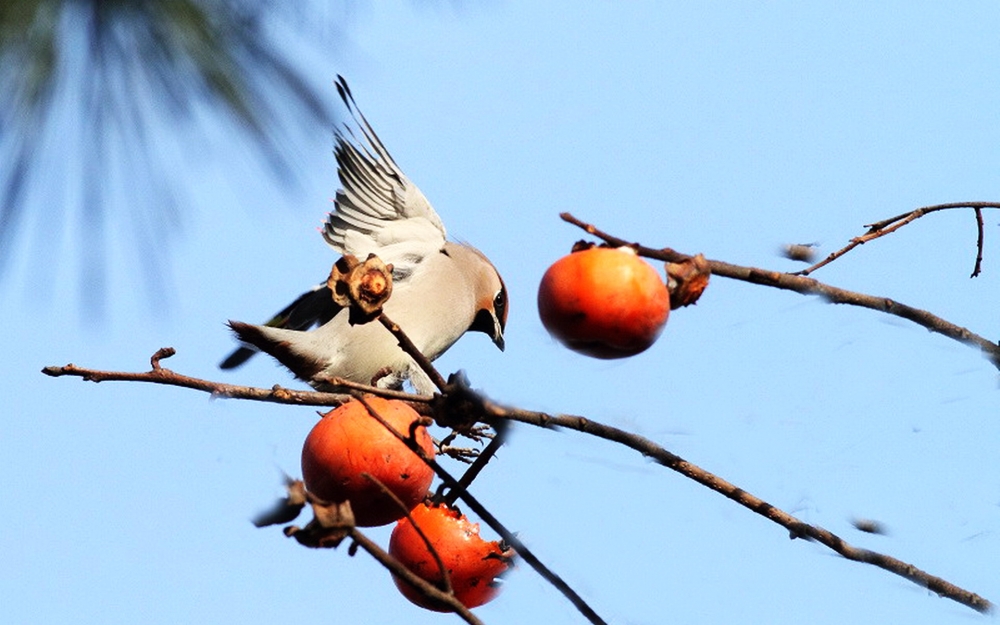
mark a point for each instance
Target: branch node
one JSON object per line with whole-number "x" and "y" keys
{"x": 281, "y": 393}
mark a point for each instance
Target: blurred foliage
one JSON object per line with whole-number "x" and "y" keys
{"x": 118, "y": 69}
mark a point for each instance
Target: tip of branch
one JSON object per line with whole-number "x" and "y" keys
{"x": 163, "y": 352}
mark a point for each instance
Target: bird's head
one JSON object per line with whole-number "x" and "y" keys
{"x": 491, "y": 298}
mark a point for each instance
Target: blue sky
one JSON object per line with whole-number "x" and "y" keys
{"x": 723, "y": 128}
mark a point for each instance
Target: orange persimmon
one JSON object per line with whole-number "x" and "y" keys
{"x": 473, "y": 564}
{"x": 604, "y": 302}
{"x": 348, "y": 441}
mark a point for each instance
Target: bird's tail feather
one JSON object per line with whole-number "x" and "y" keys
{"x": 279, "y": 343}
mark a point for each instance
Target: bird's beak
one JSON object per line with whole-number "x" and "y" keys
{"x": 487, "y": 323}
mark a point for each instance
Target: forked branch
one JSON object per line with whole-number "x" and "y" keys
{"x": 811, "y": 286}
{"x": 457, "y": 404}
{"x": 475, "y": 406}
{"x": 890, "y": 225}
{"x": 795, "y": 527}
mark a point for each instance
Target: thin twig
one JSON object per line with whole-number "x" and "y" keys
{"x": 276, "y": 394}
{"x": 161, "y": 354}
{"x": 811, "y": 286}
{"x": 506, "y": 535}
{"x": 477, "y": 466}
{"x": 978, "y": 268}
{"x": 445, "y": 576}
{"x": 425, "y": 587}
{"x": 494, "y": 412}
{"x": 881, "y": 228}
{"x": 872, "y": 233}
{"x": 388, "y": 393}
{"x": 796, "y": 528}
{"x": 404, "y": 342}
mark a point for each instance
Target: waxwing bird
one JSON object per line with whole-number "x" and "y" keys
{"x": 441, "y": 289}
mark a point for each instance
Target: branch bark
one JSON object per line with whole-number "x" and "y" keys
{"x": 427, "y": 588}
{"x": 796, "y": 528}
{"x": 810, "y": 286}
{"x": 471, "y": 403}
{"x": 890, "y": 225}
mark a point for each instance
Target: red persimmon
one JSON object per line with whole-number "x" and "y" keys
{"x": 348, "y": 441}
{"x": 473, "y": 564}
{"x": 604, "y": 302}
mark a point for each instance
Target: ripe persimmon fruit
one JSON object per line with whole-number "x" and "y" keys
{"x": 604, "y": 302}
{"x": 348, "y": 441}
{"x": 473, "y": 564}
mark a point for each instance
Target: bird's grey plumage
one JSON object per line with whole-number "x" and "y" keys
{"x": 441, "y": 289}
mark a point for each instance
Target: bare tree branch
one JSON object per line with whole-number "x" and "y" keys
{"x": 480, "y": 510}
{"x": 407, "y": 345}
{"x": 458, "y": 405}
{"x": 811, "y": 286}
{"x": 445, "y": 576}
{"x": 473, "y": 403}
{"x": 978, "y": 267}
{"x": 795, "y": 527}
{"x": 882, "y": 228}
{"x": 425, "y": 587}
{"x": 276, "y": 394}
{"x": 477, "y": 466}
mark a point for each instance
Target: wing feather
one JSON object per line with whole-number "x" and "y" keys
{"x": 377, "y": 209}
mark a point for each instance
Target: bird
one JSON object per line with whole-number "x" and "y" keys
{"x": 441, "y": 288}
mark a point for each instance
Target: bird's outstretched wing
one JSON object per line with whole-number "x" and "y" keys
{"x": 377, "y": 209}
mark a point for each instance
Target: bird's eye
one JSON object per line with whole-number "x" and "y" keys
{"x": 500, "y": 306}
{"x": 500, "y": 302}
